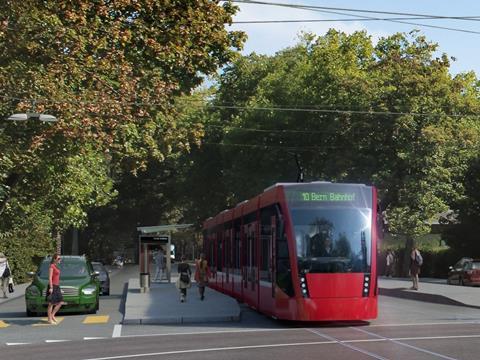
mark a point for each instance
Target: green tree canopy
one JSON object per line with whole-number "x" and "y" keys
{"x": 388, "y": 113}
{"x": 110, "y": 72}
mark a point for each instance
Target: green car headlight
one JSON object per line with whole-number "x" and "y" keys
{"x": 33, "y": 291}
{"x": 89, "y": 290}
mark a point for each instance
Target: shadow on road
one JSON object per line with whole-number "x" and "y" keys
{"x": 405, "y": 293}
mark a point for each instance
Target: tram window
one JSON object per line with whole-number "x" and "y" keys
{"x": 228, "y": 253}
{"x": 250, "y": 251}
{"x": 266, "y": 234}
{"x": 212, "y": 252}
{"x": 283, "y": 268}
{"x": 219, "y": 252}
{"x": 332, "y": 240}
{"x": 237, "y": 247}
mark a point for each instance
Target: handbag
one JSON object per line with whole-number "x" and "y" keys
{"x": 6, "y": 272}
{"x": 11, "y": 289}
{"x": 184, "y": 278}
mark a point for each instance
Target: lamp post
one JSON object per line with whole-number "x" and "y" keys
{"x": 23, "y": 117}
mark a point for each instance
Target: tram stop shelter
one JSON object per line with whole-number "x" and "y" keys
{"x": 153, "y": 238}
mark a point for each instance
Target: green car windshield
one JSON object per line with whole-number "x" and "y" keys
{"x": 69, "y": 268}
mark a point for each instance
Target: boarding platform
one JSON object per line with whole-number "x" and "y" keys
{"x": 431, "y": 290}
{"x": 161, "y": 305}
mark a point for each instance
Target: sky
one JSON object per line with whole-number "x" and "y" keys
{"x": 270, "y": 38}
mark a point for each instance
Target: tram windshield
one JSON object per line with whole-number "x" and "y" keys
{"x": 333, "y": 240}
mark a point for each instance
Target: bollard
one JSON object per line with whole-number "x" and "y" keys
{"x": 144, "y": 282}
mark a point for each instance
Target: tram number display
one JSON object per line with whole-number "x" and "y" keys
{"x": 327, "y": 196}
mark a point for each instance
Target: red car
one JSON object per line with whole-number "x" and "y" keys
{"x": 465, "y": 272}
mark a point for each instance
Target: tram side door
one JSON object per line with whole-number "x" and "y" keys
{"x": 227, "y": 236}
{"x": 267, "y": 262}
{"x": 250, "y": 287}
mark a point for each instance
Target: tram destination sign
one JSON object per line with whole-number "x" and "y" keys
{"x": 329, "y": 195}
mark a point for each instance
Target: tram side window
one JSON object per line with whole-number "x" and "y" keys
{"x": 237, "y": 246}
{"x": 283, "y": 268}
{"x": 219, "y": 251}
{"x": 227, "y": 246}
{"x": 212, "y": 251}
{"x": 266, "y": 243}
{"x": 250, "y": 248}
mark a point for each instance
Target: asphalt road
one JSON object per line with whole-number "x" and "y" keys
{"x": 405, "y": 329}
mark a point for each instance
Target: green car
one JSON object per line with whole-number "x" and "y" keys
{"x": 78, "y": 282}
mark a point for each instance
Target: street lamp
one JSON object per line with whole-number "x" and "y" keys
{"x": 33, "y": 116}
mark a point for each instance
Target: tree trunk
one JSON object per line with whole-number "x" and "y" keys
{"x": 58, "y": 240}
{"x": 406, "y": 255}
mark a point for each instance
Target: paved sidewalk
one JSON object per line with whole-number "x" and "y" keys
{"x": 19, "y": 292}
{"x": 161, "y": 305}
{"x": 431, "y": 290}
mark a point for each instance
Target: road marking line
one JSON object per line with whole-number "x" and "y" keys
{"x": 213, "y": 349}
{"x": 45, "y": 322}
{"x": 56, "y": 341}
{"x": 94, "y": 338}
{"x": 351, "y": 347}
{"x": 117, "y": 331}
{"x": 212, "y": 332}
{"x": 403, "y": 344}
{"x": 3, "y": 324}
{"x": 453, "y": 322}
{"x": 15, "y": 344}
{"x": 96, "y": 319}
{"x": 445, "y": 337}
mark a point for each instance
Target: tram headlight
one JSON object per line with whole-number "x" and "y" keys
{"x": 366, "y": 285}
{"x": 303, "y": 286}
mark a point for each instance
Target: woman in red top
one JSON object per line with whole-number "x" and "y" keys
{"x": 54, "y": 295}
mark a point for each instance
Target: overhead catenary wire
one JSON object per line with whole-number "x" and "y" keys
{"x": 340, "y": 20}
{"x": 279, "y": 108}
{"x": 369, "y": 18}
{"x": 280, "y": 147}
{"x": 308, "y": 7}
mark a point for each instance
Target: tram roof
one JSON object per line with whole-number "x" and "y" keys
{"x": 308, "y": 183}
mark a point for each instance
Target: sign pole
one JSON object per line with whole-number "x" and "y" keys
{"x": 169, "y": 257}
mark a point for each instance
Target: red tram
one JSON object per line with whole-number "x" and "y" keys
{"x": 299, "y": 251}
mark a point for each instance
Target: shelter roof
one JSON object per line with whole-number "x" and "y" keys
{"x": 162, "y": 228}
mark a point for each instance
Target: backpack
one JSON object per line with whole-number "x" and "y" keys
{"x": 418, "y": 258}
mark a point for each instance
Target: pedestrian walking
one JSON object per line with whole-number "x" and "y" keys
{"x": 183, "y": 281}
{"x": 390, "y": 261}
{"x": 54, "y": 294}
{"x": 202, "y": 273}
{"x": 159, "y": 264}
{"x": 5, "y": 273}
{"x": 416, "y": 261}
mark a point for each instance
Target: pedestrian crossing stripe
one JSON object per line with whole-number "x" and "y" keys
{"x": 45, "y": 322}
{"x": 3, "y": 324}
{"x": 96, "y": 319}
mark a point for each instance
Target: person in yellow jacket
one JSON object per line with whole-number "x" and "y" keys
{"x": 202, "y": 273}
